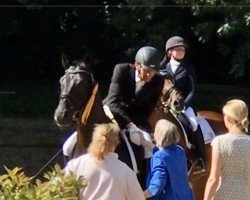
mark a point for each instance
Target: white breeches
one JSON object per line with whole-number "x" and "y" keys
{"x": 189, "y": 112}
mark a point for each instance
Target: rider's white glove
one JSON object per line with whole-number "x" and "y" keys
{"x": 134, "y": 133}
{"x": 147, "y": 137}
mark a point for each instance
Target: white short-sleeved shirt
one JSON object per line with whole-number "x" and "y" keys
{"x": 235, "y": 153}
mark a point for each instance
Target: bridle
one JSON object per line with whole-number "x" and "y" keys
{"x": 82, "y": 114}
{"x": 169, "y": 92}
{"x": 166, "y": 101}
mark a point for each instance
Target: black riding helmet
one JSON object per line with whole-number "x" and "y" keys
{"x": 174, "y": 42}
{"x": 148, "y": 57}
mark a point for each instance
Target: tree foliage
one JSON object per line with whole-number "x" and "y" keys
{"x": 217, "y": 32}
{"x": 220, "y": 26}
{"x": 231, "y": 26}
{"x": 16, "y": 185}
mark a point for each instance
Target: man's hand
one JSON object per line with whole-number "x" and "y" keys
{"x": 140, "y": 137}
{"x": 146, "y": 142}
{"x": 134, "y": 133}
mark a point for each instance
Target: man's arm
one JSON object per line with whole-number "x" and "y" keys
{"x": 115, "y": 100}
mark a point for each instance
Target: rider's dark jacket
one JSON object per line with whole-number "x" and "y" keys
{"x": 184, "y": 79}
{"x": 124, "y": 103}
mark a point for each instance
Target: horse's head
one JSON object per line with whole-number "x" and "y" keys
{"x": 171, "y": 98}
{"x": 76, "y": 86}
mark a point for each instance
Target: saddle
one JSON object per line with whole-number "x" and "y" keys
{"x": 203, "y": 128}
{"x": 187, "y": 129}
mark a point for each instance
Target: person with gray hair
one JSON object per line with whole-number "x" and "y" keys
{"x": 230, "y": 168}
{"x": 168, "y": 176}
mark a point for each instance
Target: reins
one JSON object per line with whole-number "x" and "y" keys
{"x": 88, "y": 107}
{"x": 165, "y": 104}
{"x": 168, "y": 93}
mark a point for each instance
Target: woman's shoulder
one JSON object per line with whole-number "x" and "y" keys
{"x": 79, "y": 159}
{"x": 219, "y": 138}
{"x": 229, "y": 138}
{"x": 169, "y": 151}
{"x": 73, "y": 164}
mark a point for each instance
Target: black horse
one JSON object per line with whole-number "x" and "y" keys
{"x": 80, "y": 104}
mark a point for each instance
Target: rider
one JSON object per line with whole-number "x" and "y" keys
{"x": 134, "y": 91}
{"x": 184, "y": 79}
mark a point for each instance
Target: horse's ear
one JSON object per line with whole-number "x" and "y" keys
{"x": 64, "y": 60}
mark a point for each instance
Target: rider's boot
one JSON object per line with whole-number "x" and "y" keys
{"x": 198, "y": 141}
{"x": 200, "y": 166}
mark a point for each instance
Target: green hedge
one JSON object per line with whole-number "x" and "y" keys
{"x": 15, "y": 185}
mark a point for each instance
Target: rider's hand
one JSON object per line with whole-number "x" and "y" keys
{"x": 138, "y": 136}
{"x": 134, "y": 133}
{"x": 146, "y": 141}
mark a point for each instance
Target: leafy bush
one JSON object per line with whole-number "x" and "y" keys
{"x": 15, "y": 185}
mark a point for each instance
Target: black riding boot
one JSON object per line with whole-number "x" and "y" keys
{"x": 197, "y": 140}
{"x": 200, "y": 151}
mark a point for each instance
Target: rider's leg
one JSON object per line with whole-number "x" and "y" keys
{"x": 197, "y": 140}
{"x": 190, "y": 113}
{"x": 200, "y": 151}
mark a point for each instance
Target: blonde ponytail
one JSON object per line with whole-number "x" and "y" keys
{"x": 245, "y": 124}
{"x": 104, "y": 140}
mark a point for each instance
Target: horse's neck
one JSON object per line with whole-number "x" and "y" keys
{"x": 97, "y": 115}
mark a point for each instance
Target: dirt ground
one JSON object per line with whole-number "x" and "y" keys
{"x": 30, "y": 144}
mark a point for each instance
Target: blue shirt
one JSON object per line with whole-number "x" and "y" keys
{"x": 168, "y": 176}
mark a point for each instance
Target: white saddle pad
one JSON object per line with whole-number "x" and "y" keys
{"x": 70, "y": 144}
{"x": 206, "y": 129}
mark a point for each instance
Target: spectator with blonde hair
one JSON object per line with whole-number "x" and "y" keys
{"x": 108, "y": 178}
{"x": 168, "y": 177}
{"x": 229, "y": 177}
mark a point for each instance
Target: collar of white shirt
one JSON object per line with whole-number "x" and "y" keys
{"x": 137, "y": 78}
{"x": 174, "y": 65}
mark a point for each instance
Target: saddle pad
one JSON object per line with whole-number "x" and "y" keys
{"x": 70, "y": 144}
{"x": 206, "y": 130}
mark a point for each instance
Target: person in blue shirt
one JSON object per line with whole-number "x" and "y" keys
{"x": 168, "y": 176}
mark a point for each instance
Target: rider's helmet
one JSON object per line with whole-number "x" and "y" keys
{"x": 174, "y": 42}
{"x": 148, "y": 57}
